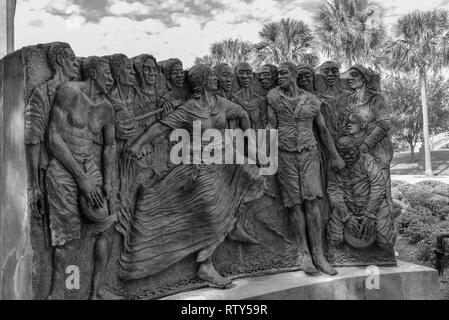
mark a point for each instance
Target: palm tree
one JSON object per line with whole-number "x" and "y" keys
{"x": 422, "y": 44}
{"x": 207, "y": 59}
{"x": 350, "y": 28}
{"x": 286, "y": 40}
{"x": 231, "y": 51}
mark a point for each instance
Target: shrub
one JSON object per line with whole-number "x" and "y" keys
{"x": 428, "y": 196}
{"x": 425, "y": 207}
{"x": 426, "y": 246}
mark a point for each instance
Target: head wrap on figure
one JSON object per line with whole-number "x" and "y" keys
{"x": 197, "y": 77}
{"x": 367, "y": 74}
{"x": 311, "y": 70}
{"x": 329, "y": 64}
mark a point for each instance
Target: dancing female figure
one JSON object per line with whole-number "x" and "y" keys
{"x": 195, "y": 207}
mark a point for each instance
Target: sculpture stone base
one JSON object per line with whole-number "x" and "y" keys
{"x": 406, "y": 281}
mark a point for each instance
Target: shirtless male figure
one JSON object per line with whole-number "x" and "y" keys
{"x": 80, "y": 176}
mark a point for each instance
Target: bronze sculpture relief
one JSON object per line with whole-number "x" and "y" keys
{"x": 306, "y": 78}
{"x": 174, "y": 72}
{"x": 360, "y": 216}
{"x": 225, "y": 76}
{"x": 81, "y": 176}
{"x": 110, "y": 168}
{"x": 192, "y": 233}
{"x": 294, "y": 112}
{"x": 251, "y": 102}
{"x": 336, "y": 99}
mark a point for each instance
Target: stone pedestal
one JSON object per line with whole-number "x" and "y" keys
{"x": 406, "y": 281}
{"x": 7, "y": 10}
{"x": 15, "y": 247}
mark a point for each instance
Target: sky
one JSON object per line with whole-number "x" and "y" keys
{"x": 166, "y": 28}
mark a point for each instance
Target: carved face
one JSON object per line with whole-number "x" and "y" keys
{"x": 331, "y": 74}
{"x": 211, "y": 81}
{"x": 103, "y": 78}
{"x": 177, "y": 75}
{"x": 150, "y": 71}
{"x": 70, "y": 64}
{"x": 225, "y": 78}
{"x": 126, "y": 73}
{"x": 305, "y": 79}
{"x": 244, "y": 74}
{"x": 265, "y": 78}
{"x": 356, "y": 79}
{"x": 354, "y": 127}
{"x": 349, "y": 154}
{"x": 285, "y": 77}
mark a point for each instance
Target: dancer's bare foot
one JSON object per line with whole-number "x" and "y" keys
{"x": 307, "y": 265}
{"x": 208, "y": 273}
{"x": 324, "y": 266}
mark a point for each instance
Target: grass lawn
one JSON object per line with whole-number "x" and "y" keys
{"x": 402, "y": 164}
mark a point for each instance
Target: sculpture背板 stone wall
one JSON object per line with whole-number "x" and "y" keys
{"x": 104, "y": 196}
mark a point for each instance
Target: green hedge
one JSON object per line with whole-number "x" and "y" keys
{"x": 425, "y": 211}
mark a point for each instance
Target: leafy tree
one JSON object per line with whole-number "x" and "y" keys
{"x": 231, "y": 51}
{"x": 422, "y": 44}
{"x": 403, "y": 93}
{"x": 286, "y": 40}
{"x": 207, "y": 59}
{"x": 351, "y": 30}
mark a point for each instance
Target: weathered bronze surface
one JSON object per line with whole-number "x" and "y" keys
{"x": 106, "y": 196}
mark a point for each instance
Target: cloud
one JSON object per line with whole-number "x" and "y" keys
{"x": 119, "y": 7}
{"x": 75, "y": 21}
{"x": 36, "y": 23}
{"x": 165, "y": 28}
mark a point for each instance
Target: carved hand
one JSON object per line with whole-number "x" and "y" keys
{"x": 92, "y": 193}
{"x": 353, "y": 225}
{"x": 367, "y": 227}
{"x": 146, "y": 149}
{"x": 168, "y": 107}
{"x": 338, "y": 163}
{"x": 135, "y": 150}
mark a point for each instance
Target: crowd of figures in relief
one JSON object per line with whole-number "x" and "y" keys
{"x": 97, "y": 136}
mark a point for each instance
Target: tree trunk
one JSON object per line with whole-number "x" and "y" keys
{"x": 427, "y": 157}
{"x": 348, "y": 58}
{"x": 412, "y": 151}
